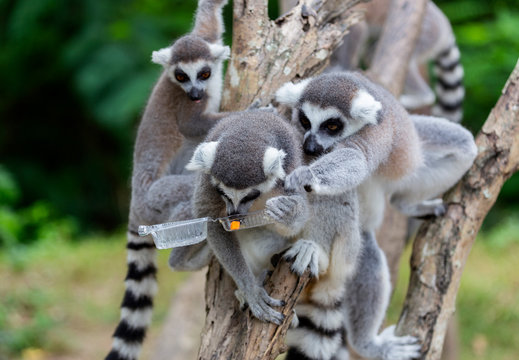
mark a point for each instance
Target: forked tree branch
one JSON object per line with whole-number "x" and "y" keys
{"x": 265, "y": 55}
{"x": 442, "y": 246}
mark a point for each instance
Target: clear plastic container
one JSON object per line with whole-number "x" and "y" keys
{"x": 176, "y": 234}
{"x": 250, "y": 220}
{"x": 189, "y": 232}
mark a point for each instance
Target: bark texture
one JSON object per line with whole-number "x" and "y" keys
{"x": 265, "y": 55}
{"x": 442, "y": 246}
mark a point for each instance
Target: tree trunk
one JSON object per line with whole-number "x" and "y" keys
{"x": 442, "y": 245}
{"x": 265, "y": 55}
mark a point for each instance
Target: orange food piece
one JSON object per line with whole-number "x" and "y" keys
{"x": 235, "y": 225}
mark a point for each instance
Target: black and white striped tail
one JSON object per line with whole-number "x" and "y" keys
{"x": 137, "y": 304}
{"x": 449, "y": 88}
{"x": 319, "y": 333}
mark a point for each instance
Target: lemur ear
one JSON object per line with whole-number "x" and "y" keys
{"x": 161, "y": 56}
{"x": 273, "y": 163}
{"x": 290, "y": 93}
{"x": 365, "y": 108}
{"x": 219, "y": 52}
{"x": 203, "y": 157}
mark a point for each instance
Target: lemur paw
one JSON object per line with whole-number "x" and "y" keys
{"x": 434, "y": 207}
{"x": 305, "y": 255}
{"x": 260, "y": 304}
{"x": 290, "y": 211}
{"x": 299, "y": 179}
{"x": 398, "y": 347}
{"x": 256, "y": 105}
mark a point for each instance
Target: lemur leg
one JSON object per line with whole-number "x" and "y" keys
{"x": 366, "y": 301}
{"x": 448, "y": 152}
{"x": 169, "y": 199}
{"x": 319, "y": 334}
{"x": 417, "y": 92}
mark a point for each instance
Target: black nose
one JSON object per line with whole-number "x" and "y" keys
{"x": 196, "y": 94}
{"x": 312, "y": 147}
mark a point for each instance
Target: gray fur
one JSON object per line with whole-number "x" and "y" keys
{"x": 436, "y": 42}
{"x": 171, "y": 126}
{"x": 242, "y": 141}
{"x": 412, "y": 159}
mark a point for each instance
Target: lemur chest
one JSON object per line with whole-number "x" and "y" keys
{"x": 258, "y": 245}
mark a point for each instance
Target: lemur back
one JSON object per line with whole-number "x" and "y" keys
{"x": 436, "y": 42}
{"x": 361, "y": 138}
{"x": 181, "y": 109}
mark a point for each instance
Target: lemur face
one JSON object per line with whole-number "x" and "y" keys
{"x": 190, "y": 63}
{"x": 328, "y": 109}
{"x": 245, "y": 180}
{"x": 241, "y": 201}
{"x": 192, "y": 77}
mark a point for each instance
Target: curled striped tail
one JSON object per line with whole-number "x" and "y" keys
{"x": 137, "y": 304}
{"x": 449, "y": 88}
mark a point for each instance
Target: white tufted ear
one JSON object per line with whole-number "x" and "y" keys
{"x": 203, "y": 157}
{"x": 219, "y": 52}
{"x": 161, "y": 56}
{"x": 365, "y": 108}
{"x": 273, "y": 162}
{"x": 290, "y": 93}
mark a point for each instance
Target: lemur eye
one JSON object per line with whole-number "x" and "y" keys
{"x": 181, "y": 76}
{"x": 253, "y": 195}
{"x": 204, "y": 73}
{"x": 305, "y": 123}
{"x": 332, "y": 126}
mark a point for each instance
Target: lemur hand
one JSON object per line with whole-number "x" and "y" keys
{"x": 304, "y": 254}
{"x": 290, "y": 211}
{"x": 260, "y": 304}
{"x": 299, "y": 179}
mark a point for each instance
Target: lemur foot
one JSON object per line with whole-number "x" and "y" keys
{"x": 431, "y": 209}
{"x": 260, "y": 304}
{"x": 305, "y": 255}
{"x": 290, "y": 211}
{"x": 398, "y": 347}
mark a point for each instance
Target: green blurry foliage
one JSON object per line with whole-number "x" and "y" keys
{"x": 26, "y": 225}
{"x": 76, "y": 76}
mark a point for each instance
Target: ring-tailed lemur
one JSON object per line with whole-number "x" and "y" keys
{"x": 242, "y": 165}
{"x": 436, "y": 42}
{"x": 181, "y": 109}
{"x": 361, "y": 137}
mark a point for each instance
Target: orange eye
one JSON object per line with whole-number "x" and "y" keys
{"x": 180, "y": 77}
{"x": 205, "y": 75}
{"x": 332, "y": 127}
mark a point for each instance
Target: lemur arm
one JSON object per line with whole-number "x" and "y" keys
{"x": 336, "y": 172}
{"x": 226, "y": 248}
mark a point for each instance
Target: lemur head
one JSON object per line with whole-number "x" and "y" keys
{"x": 329, "y": 108}
{"x": 246, "y": 160}
{"x": 190, "y": 62}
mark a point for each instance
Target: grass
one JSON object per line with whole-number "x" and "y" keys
{"x": 59, "y": 300}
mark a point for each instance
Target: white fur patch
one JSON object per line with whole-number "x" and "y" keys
{"x": 313, "y": 345}
{"x": 290, "y": 93}
{"x": 451, "y": 57}
{"x": 129, "y": 351}
{"x": 365, "y": 108}
{"x": 141, "y": 258}
{"x": 450, "y": 77}
{"x": 147, "y": 286}
{"x": 273, "y": 163}
{"x": 322, "y": 317}
{"x": 203, "y": 157}
{"x": 219, "y": 52}
{"x": 161, "y": 56}
{"x": 137, "y": 318}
